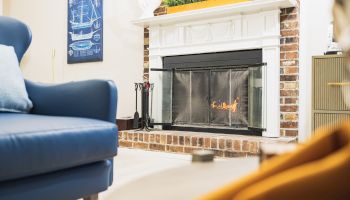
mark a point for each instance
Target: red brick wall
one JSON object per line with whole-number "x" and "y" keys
{"x": 145, "y": 55}
{"x": 289, "y": 71}
{"x": 289, "y": 88}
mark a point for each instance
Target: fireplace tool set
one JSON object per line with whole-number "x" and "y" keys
{"x": 146, "y": 90}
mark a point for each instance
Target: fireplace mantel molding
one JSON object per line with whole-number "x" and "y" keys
{"x": 216, "y": 12}
{"x": 242, "y": 26}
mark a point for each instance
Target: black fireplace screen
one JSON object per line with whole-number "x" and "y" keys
{"x": 211, "y": 97}
{"x": 214, "y": 97}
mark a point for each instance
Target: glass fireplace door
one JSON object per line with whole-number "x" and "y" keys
{"x": 209, "y": 97}
{"x": 161, "y": 97}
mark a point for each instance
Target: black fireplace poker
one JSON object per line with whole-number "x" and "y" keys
{"x": 146, "y": 89}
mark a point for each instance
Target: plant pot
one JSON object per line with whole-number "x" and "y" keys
{"x": 201, "y": 5}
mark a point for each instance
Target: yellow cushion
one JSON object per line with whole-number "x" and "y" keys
{"x": 319, "y": 169}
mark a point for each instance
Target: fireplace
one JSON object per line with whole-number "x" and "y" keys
{"x": 253, "y": 25}
{"x": 212, "y": 92}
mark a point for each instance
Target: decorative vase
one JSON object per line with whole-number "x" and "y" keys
{"x": 148, "y": 7}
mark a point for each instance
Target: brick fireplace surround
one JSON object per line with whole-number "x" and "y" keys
{"x": 233, "y": 145}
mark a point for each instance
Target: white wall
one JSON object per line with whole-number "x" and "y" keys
{"x": 1, "y": 7}
{"x": 315, "y": 17}
{"x": 123, "y": 46}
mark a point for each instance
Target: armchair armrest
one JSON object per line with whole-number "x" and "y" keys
{"x": 95, "y": 99}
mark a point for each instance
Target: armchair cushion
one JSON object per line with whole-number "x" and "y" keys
{"x": 13, "y": 94}
{"x": 37, "y": 144}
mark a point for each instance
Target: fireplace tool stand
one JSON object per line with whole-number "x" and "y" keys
{"x": 146, "y": 89}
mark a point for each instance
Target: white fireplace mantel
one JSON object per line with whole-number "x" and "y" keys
{"x": 249, "y": 25}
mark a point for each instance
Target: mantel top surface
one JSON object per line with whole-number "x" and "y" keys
{"x": 217, "y": 12}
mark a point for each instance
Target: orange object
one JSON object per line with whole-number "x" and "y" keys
{"x": 201, "y": 5}
{"x": 319, "y": 169}
{"x": 225, "y": 106}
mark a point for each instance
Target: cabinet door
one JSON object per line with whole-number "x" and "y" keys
{"x": 328, "y": 119}
{"x": 329, "y": 72}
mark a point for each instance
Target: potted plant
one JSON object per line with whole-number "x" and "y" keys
{"x": 174, "y": 6}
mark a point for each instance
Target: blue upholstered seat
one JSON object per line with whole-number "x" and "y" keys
{"x": 64, "y": 148}
{"x": 37, "y": 144}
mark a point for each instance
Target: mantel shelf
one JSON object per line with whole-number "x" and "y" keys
{"x": 216, "y": 12}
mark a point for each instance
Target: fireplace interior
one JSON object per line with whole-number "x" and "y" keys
{"x": 216, "y": 92}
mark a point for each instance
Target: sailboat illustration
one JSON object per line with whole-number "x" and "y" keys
{"x": 83, "y": 16}
{"x": 82, "y": 36}
{"x": 81, "y": 45}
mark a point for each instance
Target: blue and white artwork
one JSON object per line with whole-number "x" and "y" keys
{"x": 85, "y": 31}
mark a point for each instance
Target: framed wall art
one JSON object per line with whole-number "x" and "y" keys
{"x": 85, "y": 31}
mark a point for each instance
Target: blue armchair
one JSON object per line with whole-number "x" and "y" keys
{"x": 64, "y": 148}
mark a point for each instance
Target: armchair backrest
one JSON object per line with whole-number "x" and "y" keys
{"x": 15, "y": 33}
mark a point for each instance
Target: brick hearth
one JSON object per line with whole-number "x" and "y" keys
{"x": 186, "y": 142}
